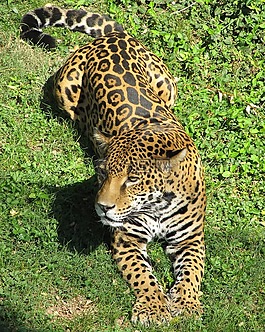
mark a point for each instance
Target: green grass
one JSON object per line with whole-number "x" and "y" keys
{"x": 56, "y": 268}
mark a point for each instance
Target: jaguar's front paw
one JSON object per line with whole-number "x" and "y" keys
{"x": 151, "y": 312}
{"x": 186, "y": 307}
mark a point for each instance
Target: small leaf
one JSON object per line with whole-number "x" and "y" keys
{"x": 226, "y": 174}
{"x": 14, "y": 9}
{"x": 43, "y": 195}
{"x": 254, "y": 130}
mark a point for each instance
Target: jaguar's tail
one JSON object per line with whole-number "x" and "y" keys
{"x": 92, "y": 24}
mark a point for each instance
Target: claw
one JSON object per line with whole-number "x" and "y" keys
{"x": 151, "y": 313}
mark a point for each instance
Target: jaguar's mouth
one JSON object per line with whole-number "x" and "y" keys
{"x": 110, "y": 222}
{"x": 109, "y": 218}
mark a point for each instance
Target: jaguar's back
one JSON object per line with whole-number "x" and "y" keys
{"x": 151, "y": 178}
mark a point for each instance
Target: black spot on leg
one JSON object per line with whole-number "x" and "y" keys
{"x": 74, "y": 88}
{"x": 68, "y": 94}
{"x": 129, "y": 257}
{"x": 197, "y": 186}
{"x": 159, "y": 84}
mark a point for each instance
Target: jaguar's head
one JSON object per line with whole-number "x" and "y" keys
{"x": 135, "y": 171}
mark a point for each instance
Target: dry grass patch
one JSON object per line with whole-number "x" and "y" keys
{"x": 70, "y": 309}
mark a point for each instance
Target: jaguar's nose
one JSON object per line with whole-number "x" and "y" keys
{"x": 105, "y": 208}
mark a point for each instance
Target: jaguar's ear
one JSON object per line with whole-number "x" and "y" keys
{"x": 177, "y": 155}
{"x": 102, "y": 140}
{"x": 173, "y": 157}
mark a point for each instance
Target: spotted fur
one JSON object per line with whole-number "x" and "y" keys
{"x": 150, "y": 173}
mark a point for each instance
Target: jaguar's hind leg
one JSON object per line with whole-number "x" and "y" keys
{"x": 70, "y": 83}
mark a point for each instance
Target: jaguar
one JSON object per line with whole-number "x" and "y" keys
{"x": 150, "y": 174}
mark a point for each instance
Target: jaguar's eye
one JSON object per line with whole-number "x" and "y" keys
{"x": 132, "y": 180}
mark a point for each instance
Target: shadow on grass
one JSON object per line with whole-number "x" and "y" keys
{"x": 5, "y": 327}
{"x": 79, "y": 226}
{"x": 10, "y": 322}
